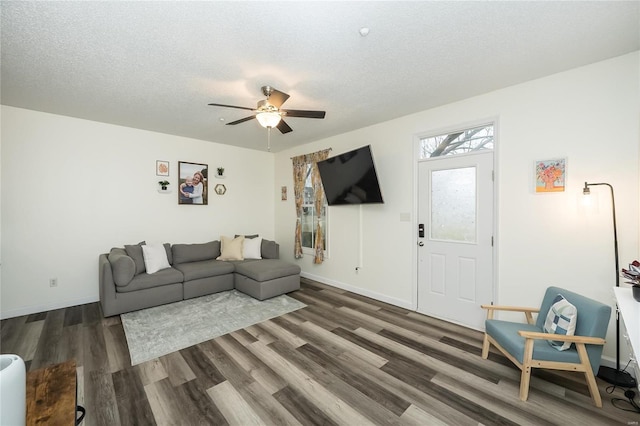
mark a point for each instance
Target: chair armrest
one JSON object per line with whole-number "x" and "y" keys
{"x": 527, "y": 311}
{"x": 510, "y": 308}
{"x": 560, "y": 337}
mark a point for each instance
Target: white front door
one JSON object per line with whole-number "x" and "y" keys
{"x": 455, "y": 238}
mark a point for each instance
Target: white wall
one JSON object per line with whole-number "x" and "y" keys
{"x": 72, "y": 189}
{"x": 589, "y": 115}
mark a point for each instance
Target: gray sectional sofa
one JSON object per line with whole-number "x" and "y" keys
{"x": 194, "y": 271}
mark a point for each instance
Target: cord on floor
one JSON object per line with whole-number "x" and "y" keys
{"x": 630, "y": 394}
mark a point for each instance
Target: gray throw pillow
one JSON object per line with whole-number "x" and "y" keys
{"x": 270, "y": 249}
{"x": 135, "y": 252}
{"x": 123, "y": 267}
{"x": 167, "y": 248}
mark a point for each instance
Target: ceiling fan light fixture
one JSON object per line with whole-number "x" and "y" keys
{"x": 268, "y": 119}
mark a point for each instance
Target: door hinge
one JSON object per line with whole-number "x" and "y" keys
{"x": 492, "y": 241}
{"x": 493, "y": 175}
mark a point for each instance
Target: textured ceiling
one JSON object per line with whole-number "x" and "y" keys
{"x": 156, "y": 65}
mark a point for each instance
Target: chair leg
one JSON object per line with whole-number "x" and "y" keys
{"x": 524, "y": 382}
{"x": 591, "y": 379}
{"x": 525, "y": 377}
{"x": 485, "y": 346}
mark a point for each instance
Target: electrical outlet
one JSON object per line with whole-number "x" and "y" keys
{"x": 53, "y": 282}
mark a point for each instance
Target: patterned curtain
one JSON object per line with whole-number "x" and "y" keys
{"x": 300, "y": 164}
{"x": 318, "y": 191}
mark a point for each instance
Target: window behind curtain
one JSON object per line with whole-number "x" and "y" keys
{"x": 310, "y": 219}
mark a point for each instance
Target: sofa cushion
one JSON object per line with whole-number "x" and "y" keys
{"x": 135, "y": 252}
{"x": 160, "y": 278}
{"x": 267, "y": 269}
{"x": 183, "y": 253}
{"x": 269, "y": 249}
{"x": 123, "y": 267}
{"x": 204, "y": 269}
{"x": 231, "y": 248}
{"x": 155, "y": 257}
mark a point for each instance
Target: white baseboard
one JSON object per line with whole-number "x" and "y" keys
{"x": 34, "y": 309}
{"x": 362, "y": 292}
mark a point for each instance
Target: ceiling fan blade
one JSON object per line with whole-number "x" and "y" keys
{"x": 284, "y": 127}
{"x": 242, "y": 120}
{"x": 303, "y": 113}
{"x": 277, "y": 98}
{"x": 231, "y": 106}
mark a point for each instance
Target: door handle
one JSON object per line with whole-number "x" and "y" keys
{"x": 420, "y": 244}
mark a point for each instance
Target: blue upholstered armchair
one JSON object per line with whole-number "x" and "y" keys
{"x": 527, "y": 345}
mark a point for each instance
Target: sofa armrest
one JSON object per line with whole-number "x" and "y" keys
{"x": 106, "y": 284}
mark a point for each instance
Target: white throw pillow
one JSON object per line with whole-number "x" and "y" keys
{"x": 231, "y": 248}
{"x": 561, "y": 319}
{"x": 155, "y": 257}
{"x": 252, "y": 248}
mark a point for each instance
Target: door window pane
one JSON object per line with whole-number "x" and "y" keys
{"x": 460, "y": 142}
{"x": 453, "y": 205}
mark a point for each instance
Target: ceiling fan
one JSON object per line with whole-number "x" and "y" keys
{"x": 269, "y": 113}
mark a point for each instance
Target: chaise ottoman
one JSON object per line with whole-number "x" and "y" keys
{"x": 266, "y": 278}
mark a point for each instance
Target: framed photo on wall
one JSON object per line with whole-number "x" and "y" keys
{"x": 193, "y": 183}
{"x": 162, "y": 168}
{"x": 550, "y": 175}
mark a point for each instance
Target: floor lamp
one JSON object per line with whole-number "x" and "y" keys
{"x": 608, "y": 374}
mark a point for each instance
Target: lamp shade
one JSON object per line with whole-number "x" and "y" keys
{"x": 268, "y": 119}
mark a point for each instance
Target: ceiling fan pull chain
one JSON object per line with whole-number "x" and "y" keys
{"x": 269, "y": 139}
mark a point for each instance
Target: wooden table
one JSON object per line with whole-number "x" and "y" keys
{"x": 51, "y": 395}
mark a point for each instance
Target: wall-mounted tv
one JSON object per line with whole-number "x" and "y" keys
{"x": 350, "y": 178}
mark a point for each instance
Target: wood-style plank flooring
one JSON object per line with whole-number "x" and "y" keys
{"x": 343, "y": 360}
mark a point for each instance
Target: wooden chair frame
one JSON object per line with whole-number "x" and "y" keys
{"x": 528, "y": 362}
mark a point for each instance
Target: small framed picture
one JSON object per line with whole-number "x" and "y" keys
{"x": 193, "y": 183}
{"x": 162, "y": 168}
{"x": 283, "y": 192}
{"x": 550, "y": 175}
{"x": 220, "y": 189}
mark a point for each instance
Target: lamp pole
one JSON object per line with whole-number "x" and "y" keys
{"x": 608, "y": 374}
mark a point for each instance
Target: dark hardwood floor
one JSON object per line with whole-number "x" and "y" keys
{"x": 344, "y": 359}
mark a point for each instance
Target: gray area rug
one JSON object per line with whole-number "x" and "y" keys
{"x": 158, "y": 331}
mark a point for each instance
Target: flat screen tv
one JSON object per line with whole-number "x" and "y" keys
{"x": 350, "y": 178}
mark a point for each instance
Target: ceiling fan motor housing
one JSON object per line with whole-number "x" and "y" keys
{"x": 265, "y": 106}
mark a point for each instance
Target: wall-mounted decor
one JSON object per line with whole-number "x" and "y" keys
{"x": 220, "y": 172}
{"x": 192, "y": 183}
{"x": 550, "y": 175}
{"x": 162, "y": 168}
{"x": 283, "y": 193}
{"x": 220, "y": 189}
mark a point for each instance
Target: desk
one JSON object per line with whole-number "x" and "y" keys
{"x": 630, "y": 312}
{"x": 51, "y": 395}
